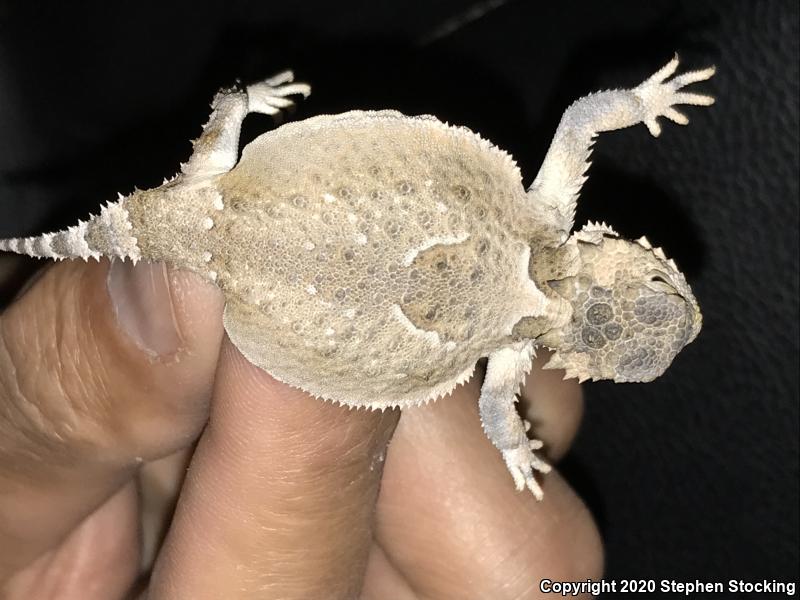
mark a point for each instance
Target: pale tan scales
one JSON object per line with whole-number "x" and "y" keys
{"x": 371, "y": 258}
{"x": 340, "y": 213}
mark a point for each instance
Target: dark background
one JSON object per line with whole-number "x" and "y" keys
{"x": 694, "y": 476}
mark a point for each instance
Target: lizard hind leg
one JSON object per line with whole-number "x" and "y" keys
{"x": 112, "y": 233}
{"x": 217, "y": 148}
{"x": 501, "y": 422}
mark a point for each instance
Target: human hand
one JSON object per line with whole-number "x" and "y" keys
{"x": 103, "y": 373}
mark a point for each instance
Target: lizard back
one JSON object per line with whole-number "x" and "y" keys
{"x": 372, "y": 258}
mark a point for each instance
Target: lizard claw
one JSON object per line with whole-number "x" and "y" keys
{"x": 659, "y": 94}
{"x": 522, "y": 462}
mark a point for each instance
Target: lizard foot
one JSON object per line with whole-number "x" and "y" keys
{"x": 658, "y": 96}
{"x": 522, "y": 462}
{"x": 269, "y": 96}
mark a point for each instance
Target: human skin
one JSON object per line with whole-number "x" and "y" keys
{"x": 104, "y": 375}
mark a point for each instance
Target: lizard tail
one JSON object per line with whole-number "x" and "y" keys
{"x": 107, "y": 234}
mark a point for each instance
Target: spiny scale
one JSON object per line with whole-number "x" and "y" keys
{"x": 107, "y": 234}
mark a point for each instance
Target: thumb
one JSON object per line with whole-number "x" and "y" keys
{"x": 100, "y": 369}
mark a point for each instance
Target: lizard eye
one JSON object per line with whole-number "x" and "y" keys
{"x": 658, "y": 282}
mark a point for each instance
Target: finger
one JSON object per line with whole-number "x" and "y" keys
{"x": 653, "y": 127}
{"x": 693, "y": 99}
{"x": 295, "y": 88}
{"x": 281, "y": 491}
{"x": 99, "y": 371}
{"x": 384, "y": 580}
{"x": 676, "y": 116}
{"x": 280, "y": 78}
{"x": 279, "y": 101}
{"x": 553, "y": 406}
{"x": 98, "y": 559}
{"x": 665, "y": 71}
{"x": 159, "y": 485}
{"x": 452, "y": 524}
{"x": 685, "y": 79}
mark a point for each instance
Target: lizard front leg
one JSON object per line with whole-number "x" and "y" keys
{"x": 216, "y": 150}
{"x": 554, "y": 192}
{"x": 501, "y": 422}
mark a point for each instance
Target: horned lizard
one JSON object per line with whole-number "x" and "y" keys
{"x": 371, "y": 258}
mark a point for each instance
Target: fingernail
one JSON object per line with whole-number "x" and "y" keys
{"x": 143, "y": 304}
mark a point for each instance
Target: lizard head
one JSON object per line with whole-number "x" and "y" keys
{"x": 632, "y": 311}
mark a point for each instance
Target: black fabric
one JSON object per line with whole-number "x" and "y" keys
{"x": 694, "y": 476}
